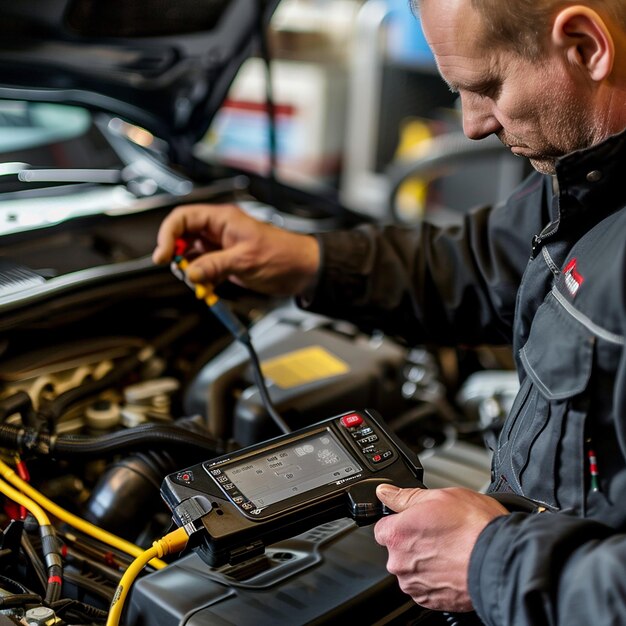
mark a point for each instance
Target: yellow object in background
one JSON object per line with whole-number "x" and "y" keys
{"x": 415, "y": 140}
{"x": 303, "y": 366}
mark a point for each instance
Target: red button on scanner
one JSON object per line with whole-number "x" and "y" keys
{"x": 352, "y": 420}
{"x": 185, "y": 477}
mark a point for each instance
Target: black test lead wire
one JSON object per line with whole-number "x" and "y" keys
{"x": 232, "y": 324}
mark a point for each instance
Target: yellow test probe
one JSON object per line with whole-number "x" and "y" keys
{"x": 205, "y": 293}
{"x": 69, "y": 518}
{"x": 179, "y": 266}
{"x": 172, "y": 542}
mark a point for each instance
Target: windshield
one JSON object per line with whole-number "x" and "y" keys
{"x": 27, "y": 125}
{"x": 41, "y": 135}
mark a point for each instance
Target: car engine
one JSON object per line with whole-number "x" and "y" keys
{"x": 113, "y": 375}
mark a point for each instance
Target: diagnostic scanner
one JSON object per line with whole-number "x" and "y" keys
{"x": 234, "y": 505}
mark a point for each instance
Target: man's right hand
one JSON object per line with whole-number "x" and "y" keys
{"x": 229, "y": 244}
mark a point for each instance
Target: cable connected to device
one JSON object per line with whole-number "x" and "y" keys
{"x": 232, "y": 323}
{"x": 172, "y": 542}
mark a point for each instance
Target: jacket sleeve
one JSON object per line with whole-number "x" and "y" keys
{"x": 548, "y": 568}
{"x": 446, "y": 284}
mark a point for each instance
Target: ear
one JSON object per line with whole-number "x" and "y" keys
{"x": 586, "y": 40}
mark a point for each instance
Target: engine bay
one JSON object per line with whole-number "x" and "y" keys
{"x": 113, "y": 376}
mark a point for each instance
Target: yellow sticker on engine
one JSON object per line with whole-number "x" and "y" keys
{"x": 303, "y": 366}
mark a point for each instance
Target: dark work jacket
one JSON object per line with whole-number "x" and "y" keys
{"x": 545, "y": 272}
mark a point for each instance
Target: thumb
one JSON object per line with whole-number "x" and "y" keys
{"x": 398, "y": 499}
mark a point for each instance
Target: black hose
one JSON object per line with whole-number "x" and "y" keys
{"x": 142, "y": 437}
{"x": 124, "y": 499}
{"x": 14, "y": 587}
{"x": 19, "y": 600}
{"x": 51, "y": 550}
{"x": 33, "y": 558}
{"x": 54, "y": 584}
{"x": 19, "y": 402}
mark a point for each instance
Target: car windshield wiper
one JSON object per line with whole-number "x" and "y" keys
{"x": 142, "y": 178}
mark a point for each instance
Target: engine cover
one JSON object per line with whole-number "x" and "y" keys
{"x": 333, "y": 574}
{"x": 314, "y": 367}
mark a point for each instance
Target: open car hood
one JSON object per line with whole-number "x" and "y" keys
{"x": 165, "y": 65}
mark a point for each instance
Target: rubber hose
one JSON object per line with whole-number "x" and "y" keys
{"x": 14, "y": 587}
{"x": 19, "y": 601}
{"x": 127, "y": 493}
{"x": 144, "y": 436}
{"x": 19, "y": 402}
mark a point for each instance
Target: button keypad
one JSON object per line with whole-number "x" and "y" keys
{"x": 374, "y": 450}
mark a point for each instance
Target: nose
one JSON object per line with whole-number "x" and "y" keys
{"x": 479, "y": 120}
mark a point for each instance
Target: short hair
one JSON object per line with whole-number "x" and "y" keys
{"x": 523, "y": 25}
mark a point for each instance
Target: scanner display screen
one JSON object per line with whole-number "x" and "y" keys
{"x": 290, "y": 470}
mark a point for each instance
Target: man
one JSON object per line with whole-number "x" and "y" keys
{"x": 546, "y": 272}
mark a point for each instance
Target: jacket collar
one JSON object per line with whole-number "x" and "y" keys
{"x": 591, "y": 179}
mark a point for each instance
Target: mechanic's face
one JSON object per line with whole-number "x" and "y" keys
{"x": 536, "y": 109}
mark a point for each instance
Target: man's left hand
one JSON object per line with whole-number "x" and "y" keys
{"x": 430, "y": 540}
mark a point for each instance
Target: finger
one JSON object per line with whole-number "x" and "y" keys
{"x": 384, "y": 530}
{"x": 213, "y": 267}
{"x": 398, "y": 499}
{"x": 163, "y": 252}
{"x": 204, "y": 220}
{"x": 172, "y": 227}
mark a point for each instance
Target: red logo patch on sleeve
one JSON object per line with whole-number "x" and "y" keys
{"x": 573, "y": 280}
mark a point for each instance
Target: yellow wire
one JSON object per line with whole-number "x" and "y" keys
{"x": 73, "y": 520}
{"x": 117, "y": 605}
{"x": 38, "y": 513}
{"x": 172, "y": 542}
